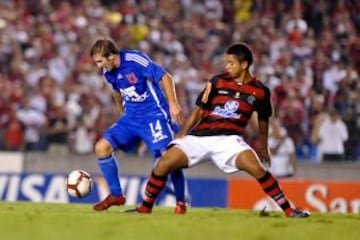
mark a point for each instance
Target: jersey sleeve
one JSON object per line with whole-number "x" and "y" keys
{"x": 156, "y": 72}
{"x": 264, "y": 108}
{"x": 148, "y": 67}
{"x": 199, "y": 101}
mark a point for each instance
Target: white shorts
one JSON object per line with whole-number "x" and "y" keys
{"x": 221, "y": 150}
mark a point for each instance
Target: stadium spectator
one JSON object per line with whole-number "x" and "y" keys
{"x": 57, "y": 130}
{"x": 82, "y": 138}
{"x": 283, "y": 152}
{"x": 292, "y": 115}
{"x": 332, "y": 78}
{"x": 35, "y": 126}
{"x": 14, "y": 133}
{"x": 332, "y": 134}
{"x": 213, "y": 132}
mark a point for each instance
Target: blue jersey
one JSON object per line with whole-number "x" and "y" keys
{"x": 146, "y": 115}
{"x": 137, "y": 79}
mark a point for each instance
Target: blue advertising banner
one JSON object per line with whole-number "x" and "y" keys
{"x": 36, "y": 187}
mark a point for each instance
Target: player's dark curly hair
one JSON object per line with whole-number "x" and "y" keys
{"x": 104, "y": 46}
{"x": 242, "y": 51}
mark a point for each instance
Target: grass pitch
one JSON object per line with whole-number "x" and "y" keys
{"x": 39, "y": 221}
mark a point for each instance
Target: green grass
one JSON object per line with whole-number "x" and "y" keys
{"x": 39, "y": 221}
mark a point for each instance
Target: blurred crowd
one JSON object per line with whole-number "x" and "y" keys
{"x": 54, "y": 99}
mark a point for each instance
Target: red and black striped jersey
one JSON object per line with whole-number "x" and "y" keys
{"x": 230, "y": 105}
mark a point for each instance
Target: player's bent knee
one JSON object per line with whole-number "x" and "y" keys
{"x": 258, "y": 172}
{"x": 103, "y": 148}
{"x": 163, "y": 167}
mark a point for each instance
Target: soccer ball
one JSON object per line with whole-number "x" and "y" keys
{"x": 79, "y": 183}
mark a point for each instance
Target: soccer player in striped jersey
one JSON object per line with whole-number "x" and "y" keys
{"x": 214, "y": 132}
{"x": 145, "y": 95}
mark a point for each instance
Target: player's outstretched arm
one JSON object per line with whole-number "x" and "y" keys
{"x": 118, "y": 99}
{"x": 264, "y": 134}
{"x": 175, "y": 108}
{"x": 191, "y": 121}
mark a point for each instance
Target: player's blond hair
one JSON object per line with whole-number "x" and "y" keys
{"x": 105, "y": 46}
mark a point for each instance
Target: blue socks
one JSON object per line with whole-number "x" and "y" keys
{"x": 110, "y": 170}
{"x": 178, "y": 180}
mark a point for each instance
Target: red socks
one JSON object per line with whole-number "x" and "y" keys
{"x": 271, "y": 187}
{"x": 153, "y": 187}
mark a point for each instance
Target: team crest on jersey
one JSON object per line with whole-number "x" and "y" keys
{"x": 229, "y": 110}
{"x": 131, "y": 77}
{"x": 251, "y": 99}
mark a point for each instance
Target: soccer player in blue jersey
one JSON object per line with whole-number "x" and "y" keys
{"x": 145, "y": 95}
